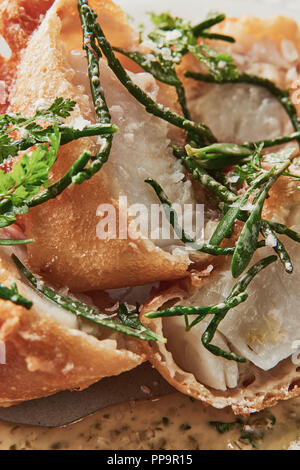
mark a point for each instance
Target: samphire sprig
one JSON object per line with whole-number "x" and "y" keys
{"x": 242, "y": 252}
{"x": 248, "y": 239}
{"x": 21, "y": 188}
{"x": 127, "y": 322}
{"x": 247, "y": 242}
{"x": 93, "y": 55}
{"x": 202, "y": 133}
{"x": 172, "y": 218}
{"x": 234, "y": 206}
{"x": 171, "y": 39}
{"x": 237, "y": 295}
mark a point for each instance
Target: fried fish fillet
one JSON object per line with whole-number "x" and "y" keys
{"x": 48, "y": 349}
{"x": 67, "y": 250}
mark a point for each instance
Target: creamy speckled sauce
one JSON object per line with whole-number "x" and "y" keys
{"x": 173, "y": 422}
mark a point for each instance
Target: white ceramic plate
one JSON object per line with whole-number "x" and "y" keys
{"x": 196, "y": 9}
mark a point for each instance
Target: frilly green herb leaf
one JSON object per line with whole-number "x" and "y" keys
{"x": 19, "y": 132}
{"x": 26, "y": 179}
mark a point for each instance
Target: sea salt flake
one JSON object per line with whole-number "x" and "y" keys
{"x": 80, "y": 123}
{"x": 173, "y": 35}
{"x": 271, "y": 240}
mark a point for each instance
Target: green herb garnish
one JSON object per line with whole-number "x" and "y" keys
{"x": 26, "y": 179}
{"x": 12, "y": 294}
{"x": 218, "y": 156}
{"x": 237, "y": 295}
{"x": 247, "y": 242}
{"x": 128, "y": 325}
{"x": 233, "y": 207}
{"x": 252, "y": 429}
{"x": 9, "y": 242}
{"x": 222, "y": 427}
{"x": 93, "y": 55}
{"x": 173, "y": 220}
{"x": 89, "y": 22}
{"x": 29, "y": 132}
{"x": 165, "y": 421}
{"x": 171, "y": 39}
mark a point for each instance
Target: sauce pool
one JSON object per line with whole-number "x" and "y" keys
{"x": 173, "y": 422}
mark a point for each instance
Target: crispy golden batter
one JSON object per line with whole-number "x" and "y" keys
{"x": 47, "y": 351}
{"x": 18, "y": 20}
{"x": 67, "y": 251}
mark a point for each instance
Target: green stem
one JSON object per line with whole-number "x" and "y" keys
{"x": 182, "y": 101}
{"x": 8, "y": 242}
{"x": 14, "y": 297}
{"x": 247, "y": 242}
{"x": 282, "y": 96}
{"x": 225, "y": 226}
{"x": 218, "y": 37}
{"x": 237, "y": 290}
{"x": 237, "y": 295}
{"x": 68, "y": 134}
{"x": 74, "y": 175}
{"x": 200, "y": 175}
{"x": 93, "y": 53}
{"x": 273, "y": 142}
{"x": 278, "y": 246}
{"x": 283, "y": 230}
{"x": 200, "y": 28}
{"x": 224, "y": 194}
{"x": 173, "y": 220}
{"x": 88, "y": 17}
{"x": 85, "y": 311}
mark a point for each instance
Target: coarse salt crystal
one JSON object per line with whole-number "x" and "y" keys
{"x": 172, "y": 35}
{"x": 80, "y": 123}
{"x": 271, "y": 241}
